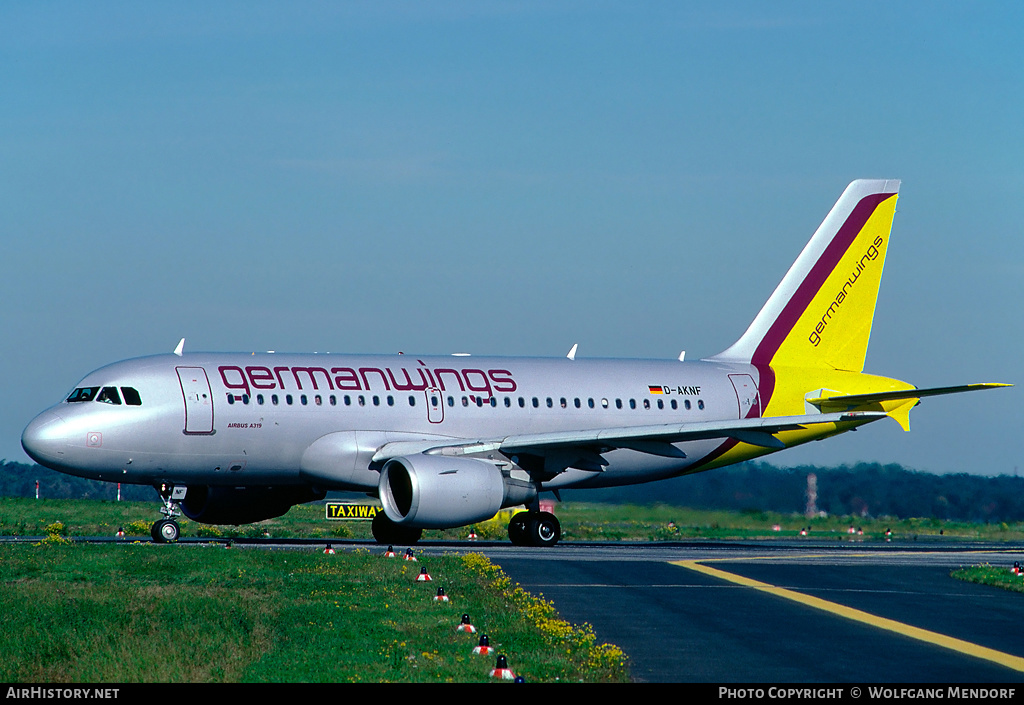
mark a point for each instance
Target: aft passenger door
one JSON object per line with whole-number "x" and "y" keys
{"x": 746, "y": 396}
{"x": 195, "y": 388}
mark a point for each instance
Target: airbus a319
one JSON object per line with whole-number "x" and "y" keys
{"x": 449, "y": 441}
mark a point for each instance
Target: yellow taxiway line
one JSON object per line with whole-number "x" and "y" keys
{"x": 948, "y": 642}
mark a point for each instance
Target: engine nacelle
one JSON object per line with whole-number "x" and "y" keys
{"x": 438, "y": 492}
{"x": 243, "y": 505}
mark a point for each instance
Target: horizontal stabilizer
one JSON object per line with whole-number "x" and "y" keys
{"x": 852, "y": 400}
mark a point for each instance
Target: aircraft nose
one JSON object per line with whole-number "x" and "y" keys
{"x": 45, "y": 439}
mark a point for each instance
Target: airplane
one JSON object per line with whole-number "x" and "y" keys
{"x": 448, "y": 441}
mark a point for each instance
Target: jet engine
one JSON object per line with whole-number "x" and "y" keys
{"x": 438, "y": 492}
{"x": 243, "y": 505}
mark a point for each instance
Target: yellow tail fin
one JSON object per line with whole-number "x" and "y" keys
{"x": 820, "y": 315}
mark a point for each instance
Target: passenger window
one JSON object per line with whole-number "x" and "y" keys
{"x": 391, "y": 400}
{"x": 412, "y": 400}
{"x": 674, "y": 404}
{"x": 348, "y": 400}
{"x": 131, "y": 396}
{"x": 686, "y": 403}
{"x": 618, "y": 403}
{"x": 576, "y": 402}
{"x": 259, "y": 399}
{"x": 109, "y": 395}
{"x": 647, "y": 403}
{"x": 288, "y": 399}
{"x": 318, "y": 400}
{"x": 334, "y": 400}
{"x": 661, "y": 404}
{"x": 302, "y": 398}
{"x": 700, "y": 404}
{"x": 522, "y": 402}
{"x": 632, "y": 403}
{"x": 508, "y": 402}
{"x": 273, "y": 399}
{"x": 536, "y": 402}
{"x": 550, "y": 403}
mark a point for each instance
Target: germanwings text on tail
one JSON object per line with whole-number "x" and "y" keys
{"x": 449, "y": 441}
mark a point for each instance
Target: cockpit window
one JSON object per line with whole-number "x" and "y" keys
{"x": 83, "y": 394}
{"x": 131, "y": 396}
{"x": 109, "y": 395}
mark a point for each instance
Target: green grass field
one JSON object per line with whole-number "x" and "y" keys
{"x": 140, "y": 612}
{"x": 580, "y": 522}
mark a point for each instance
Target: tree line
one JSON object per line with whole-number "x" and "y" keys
{"x": 864, "y": 489}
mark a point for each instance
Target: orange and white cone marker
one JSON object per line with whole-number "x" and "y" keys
{"x": 424, "y": 576}
{"x": 409, "y": 556}
{"x": 466, "y": 625}
{"x": 390, "y": 553}
{"x": 472, "y": 533}
{"x": 120, "y": 532}
{"x": 329, "y": 551}
{"x": 440, "y": 596}
{"x": 502, "y": 671}
{"x": 484, "y": 648}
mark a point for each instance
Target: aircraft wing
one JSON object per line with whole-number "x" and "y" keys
{"x": 585, "y": 446}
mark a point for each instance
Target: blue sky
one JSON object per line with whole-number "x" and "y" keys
{"x": 508, "y": 178}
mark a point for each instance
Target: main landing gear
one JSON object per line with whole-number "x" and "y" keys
{"x": 533, "y": 528}
{"x": 386, "y": 531}
{"x": 166, "y": 530}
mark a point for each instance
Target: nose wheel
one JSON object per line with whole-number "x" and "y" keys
{"x": 166, "y": 530}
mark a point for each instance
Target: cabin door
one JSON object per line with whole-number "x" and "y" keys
{"x": 746, "y": 396}
{"x": 195, "y": 388}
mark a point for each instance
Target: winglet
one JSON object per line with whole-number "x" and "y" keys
{"x": 181, "y": 346}
{"x": 572, "y": 353}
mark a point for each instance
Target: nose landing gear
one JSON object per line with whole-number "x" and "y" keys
{"x": 166, "y": 530}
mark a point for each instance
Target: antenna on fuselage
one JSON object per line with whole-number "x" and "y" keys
{"x": 181, "y": 346}
{"x": 572, "y": 353}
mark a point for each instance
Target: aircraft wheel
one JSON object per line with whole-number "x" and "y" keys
{"x": 517, "y": 528}
{"x": 543, "y": 529}
{"x": 165, "y": 531}
{"x": 386, "y": 531}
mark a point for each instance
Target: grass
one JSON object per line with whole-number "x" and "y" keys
{"x": 138, "y": 612}
{"x": 580, "y": 522}
{"x": 989, "y": 575}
